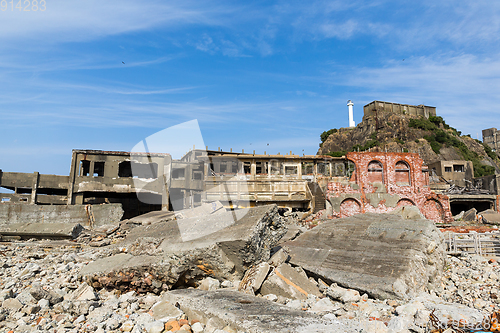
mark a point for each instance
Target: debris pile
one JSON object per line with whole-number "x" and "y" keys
{"x": 146, "y": 278}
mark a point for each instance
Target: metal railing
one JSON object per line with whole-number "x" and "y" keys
{"x": 484, "y": 244}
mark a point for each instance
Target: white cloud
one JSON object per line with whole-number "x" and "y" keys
{"x": 65, "y": 21}
{"x": 463, "y": 88}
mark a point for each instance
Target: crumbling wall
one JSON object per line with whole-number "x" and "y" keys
{"x": 384, "y": 181}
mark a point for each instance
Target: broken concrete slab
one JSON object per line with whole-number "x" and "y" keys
{"x": 86, "y": 215}
{"x": 245, "y": 313}
{"x": 83, "y": 293}
{"x": 490, "y": 217}
{"x": 224, "y": 254}
{"x": 470, "y": 215}
{"x": 380, "y": 254}
{"x": 289, "y": 282}
{"x": 342, "y": 294}
{"x": 152, "y": 217}
{"x": 202, "y": 210}
{"x": 254, "y": 277}
{"x": 42, "y": 230}
{"x": 165, "y": 216}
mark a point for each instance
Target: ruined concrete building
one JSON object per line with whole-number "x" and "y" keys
{"x": 140, "y": 182}
{"x": 491, "y": 137}
{"x": 146, "y": 182}
{"x": 372, "y": 108}
{"x": 457, "y": 172}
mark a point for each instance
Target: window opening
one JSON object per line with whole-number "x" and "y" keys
{"x": 375, "y": 172}
{"x": 98, "y": 169}
{"x": 402, "y": 173}
{"x": 84, "y": 168}
{"x": 261, "y": 168}
{"x": 178, "y": 173}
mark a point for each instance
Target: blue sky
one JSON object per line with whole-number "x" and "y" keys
{"x": 257, "y": 75}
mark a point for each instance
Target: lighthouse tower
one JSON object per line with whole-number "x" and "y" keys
{"x": 351, "y": 120}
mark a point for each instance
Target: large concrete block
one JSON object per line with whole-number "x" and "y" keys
{"x": 82, "y": 214}
{"x": 383, "y": 255}
{"x": 224, "y": 249}
{"x": 42, "y": 230}
{"x": 246, "y": 313}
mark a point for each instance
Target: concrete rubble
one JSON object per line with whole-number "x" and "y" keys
{"x": 145, "y": 277}
{"x": 166, "y": 254}
{"x": 382, "y": 255}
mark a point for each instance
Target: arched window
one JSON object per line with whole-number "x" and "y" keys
{"x": 375, "y": 172}
{"x": 402, "y": 173}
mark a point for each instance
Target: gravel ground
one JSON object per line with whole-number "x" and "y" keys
{"x": 40, "y": 292}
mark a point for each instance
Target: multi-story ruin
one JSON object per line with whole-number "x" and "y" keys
{"x": 143, "y": 182}
{"x": 491, "y": 137}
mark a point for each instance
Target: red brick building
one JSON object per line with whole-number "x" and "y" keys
{"x": 381, "y": 182}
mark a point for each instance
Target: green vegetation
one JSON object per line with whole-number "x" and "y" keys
{"x": 488, "y": 151}
{"x": 440, "y": 138}
{"x": 439, "y": 135}
{"x": 326, "y": 134}
{"x": 431, "y": 124}
{"x": 337, "y": 153}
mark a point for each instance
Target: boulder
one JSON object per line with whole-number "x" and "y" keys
{"x": 382, "y": 255}
{"x": 222, "y": 246}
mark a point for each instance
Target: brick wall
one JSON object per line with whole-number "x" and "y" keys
{"x": 384, "y": 181}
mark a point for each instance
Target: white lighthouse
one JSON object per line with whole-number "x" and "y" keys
{"x": 351, "y": 120}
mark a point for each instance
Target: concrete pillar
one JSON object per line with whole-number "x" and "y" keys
{"x": 34, "y": 187}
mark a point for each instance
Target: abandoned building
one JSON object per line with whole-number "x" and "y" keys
{"x": 382, "y": 182}
{"x": 372, "y": 108}
{"x": 144, "y": 182}
{"x": 491, "y": 137}
{"x": 456, "y": 172}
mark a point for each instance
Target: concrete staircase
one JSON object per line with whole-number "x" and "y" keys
{"x": 318, "y": 197}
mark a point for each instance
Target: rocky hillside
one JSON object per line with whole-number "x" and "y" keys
{"x": 432, "y": 138}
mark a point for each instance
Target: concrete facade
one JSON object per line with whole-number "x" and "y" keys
{"x": 383, "y": 182}
{"x": 457, "y": 172}
{"x": 491, "y": 137}
{"x": 357, "y": 183}
{"x": 372, "y": 108}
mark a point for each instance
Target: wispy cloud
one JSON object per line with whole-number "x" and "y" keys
{"x": 464, "y": 88}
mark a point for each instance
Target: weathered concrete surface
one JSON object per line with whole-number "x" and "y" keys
{"x": 490, "y": 217}
{"x": 246, "y": 313}
{"x": 82, "y": 214}
{"x": 380, "y": 254}
{"x": 164, "y": 216}
{"x": 289, "y": 282}
{"x": 226, "y": 253}
{"x": 42, "y": 230}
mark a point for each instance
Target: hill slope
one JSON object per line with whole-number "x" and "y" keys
{"x": 432, "y": 138}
